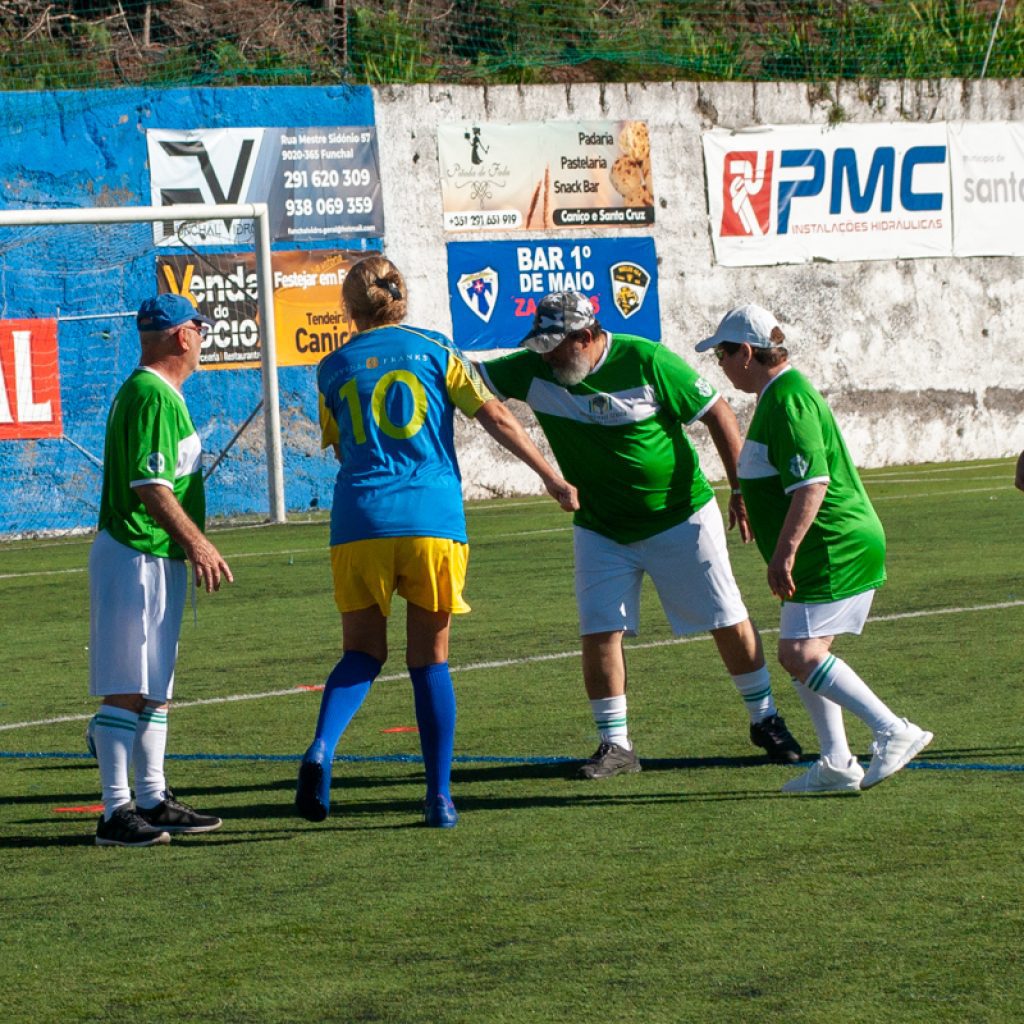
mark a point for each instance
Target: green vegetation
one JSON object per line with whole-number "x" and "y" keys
{"x": 690, "y": 893}
{"x": 64, "y": 44}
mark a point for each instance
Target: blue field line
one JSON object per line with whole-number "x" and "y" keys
{"x": 65, "y": 755}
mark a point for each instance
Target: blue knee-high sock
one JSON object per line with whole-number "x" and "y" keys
{"x": 435, "y": 715}
{"x": 346, "y": 688}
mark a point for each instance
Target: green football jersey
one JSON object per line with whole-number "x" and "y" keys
{"x": 618, "y": 435}
{"x": 150, "y": 439}
{"x": 793, "y": 441}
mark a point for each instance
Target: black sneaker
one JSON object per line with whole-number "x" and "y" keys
{"x": 609, "y": 759}
{"x": 173, "y": 816}
{"x": 126, "y": 827}
{"x": 778, "y": 742}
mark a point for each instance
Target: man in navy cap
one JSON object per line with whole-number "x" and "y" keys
{"x": 152, "y": 516}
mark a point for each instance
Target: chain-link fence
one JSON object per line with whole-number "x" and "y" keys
{"x": 51, "y": 44}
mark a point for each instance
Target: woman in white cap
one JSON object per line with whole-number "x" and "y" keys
{"x": 824, "y": 544}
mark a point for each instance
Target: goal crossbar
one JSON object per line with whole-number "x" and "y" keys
{"x": 257, "y": 212}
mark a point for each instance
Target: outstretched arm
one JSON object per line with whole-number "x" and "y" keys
{"x": 509, "y": 433}
{"x": 725, "y": 433}
{"x": 207, "y": 562}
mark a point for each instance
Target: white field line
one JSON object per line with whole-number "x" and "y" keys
{"x": 526, "y": 533}
{"x": 531, "y": 659}
{"x": 874, "y": 474}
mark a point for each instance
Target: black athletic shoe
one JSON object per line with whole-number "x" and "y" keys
{"x": 173, "y": 816}
{"x": 609, "y": 759}
{"x": 313, "y": 791}
{"x": 777, "y": 741}
{"x": 127, "y": 828}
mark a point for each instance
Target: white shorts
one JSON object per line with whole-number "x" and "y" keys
{"x": 688, "y": 564}
{"x": 804, "y": 621}
{"x": 135, "y": 606}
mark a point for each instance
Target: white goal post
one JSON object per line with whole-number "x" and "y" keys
{"x": 257, "y": 212}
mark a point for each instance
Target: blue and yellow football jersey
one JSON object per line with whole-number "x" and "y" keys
{"x": 387, "y": 401}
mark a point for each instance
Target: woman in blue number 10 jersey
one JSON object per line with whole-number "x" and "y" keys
{"x": 387, "y": 406}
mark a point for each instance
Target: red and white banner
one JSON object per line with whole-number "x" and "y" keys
{"x": 29, "y": 380}
{"x": 792, "y": 194}
{"x": 987, "y": 167}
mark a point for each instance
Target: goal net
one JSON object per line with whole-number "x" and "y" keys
{"x": 70, "y": 282}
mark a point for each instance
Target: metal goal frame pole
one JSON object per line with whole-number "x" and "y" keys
{"x": 257, "y": 212}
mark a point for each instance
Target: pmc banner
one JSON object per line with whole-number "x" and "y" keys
{"x": 853, "y": 192}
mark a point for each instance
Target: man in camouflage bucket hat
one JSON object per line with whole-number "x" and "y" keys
{"x": 613, "y": 408}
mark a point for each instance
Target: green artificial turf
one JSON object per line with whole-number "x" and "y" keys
{"x": 692, "y": 892}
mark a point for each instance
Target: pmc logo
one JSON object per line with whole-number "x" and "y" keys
{"x": 747, "y": 193}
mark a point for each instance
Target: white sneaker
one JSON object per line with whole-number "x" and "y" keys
{"x": 892, "y": 750}
{"x": 825, "y": 777}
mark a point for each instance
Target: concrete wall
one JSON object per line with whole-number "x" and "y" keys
{"x": 923, "y": 360}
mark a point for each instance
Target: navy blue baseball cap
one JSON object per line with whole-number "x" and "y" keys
{"x": 168, "y": 310}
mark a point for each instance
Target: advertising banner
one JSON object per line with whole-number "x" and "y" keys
{"x": 320, "y": 183}
{"x": 543, "y": 175}
{"x": 851, "y": 192}
{"x": 494, "y": 287}
{"x": 308, "y": 315}
{"x": 29, "y": 380}
{"x": 987, "y": 169}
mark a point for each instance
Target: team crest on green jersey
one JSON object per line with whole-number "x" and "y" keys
{"x": 798, "y": 466}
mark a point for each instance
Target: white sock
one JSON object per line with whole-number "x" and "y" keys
{"x": 756, "y": 690}
{"x": 610, "y": 718}
{"x": 114, "y": 735}
{"x": 148, "y": 754}
{"x": 834, "y": 679}
{"x": 827, "y": 718}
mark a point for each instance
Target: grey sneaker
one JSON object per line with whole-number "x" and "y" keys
{"x": 892, "y": 750}
{"x": 609, "y": 759}
{"x": 127, "y": 828}
{"x": 173, "y": 816}
{"x": 825, "y": 777}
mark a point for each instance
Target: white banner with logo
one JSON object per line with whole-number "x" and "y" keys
{"x": 792, "y": 194}
{"x": 320, "y": 183}
{"x": 543, "y": 175}
{"x": 987, "y": 168}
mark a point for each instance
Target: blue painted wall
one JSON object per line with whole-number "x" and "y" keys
{"x": 80, "y": 149}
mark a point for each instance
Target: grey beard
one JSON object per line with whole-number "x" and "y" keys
{"x": 571, "y": 374}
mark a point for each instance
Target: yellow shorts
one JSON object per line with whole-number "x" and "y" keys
{"x": 429, "y": 572}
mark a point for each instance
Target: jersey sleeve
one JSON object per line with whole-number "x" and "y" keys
{"x": 681, "y": 389}
{"x": 796, "y": 445}
{"x": 510, "y": 376}
{"x": 328, "y": 424}
{"x": 466, "y": 387}
{"x": 152, "y": 442}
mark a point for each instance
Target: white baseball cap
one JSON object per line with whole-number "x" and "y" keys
{"x": 751, "y": 324}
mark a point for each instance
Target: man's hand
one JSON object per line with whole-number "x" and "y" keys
{"x": 738, "y": 517}
{"x": 563, "y": 492}
{"x": 780, "y": 576}
{"x": 208, "y": 564}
